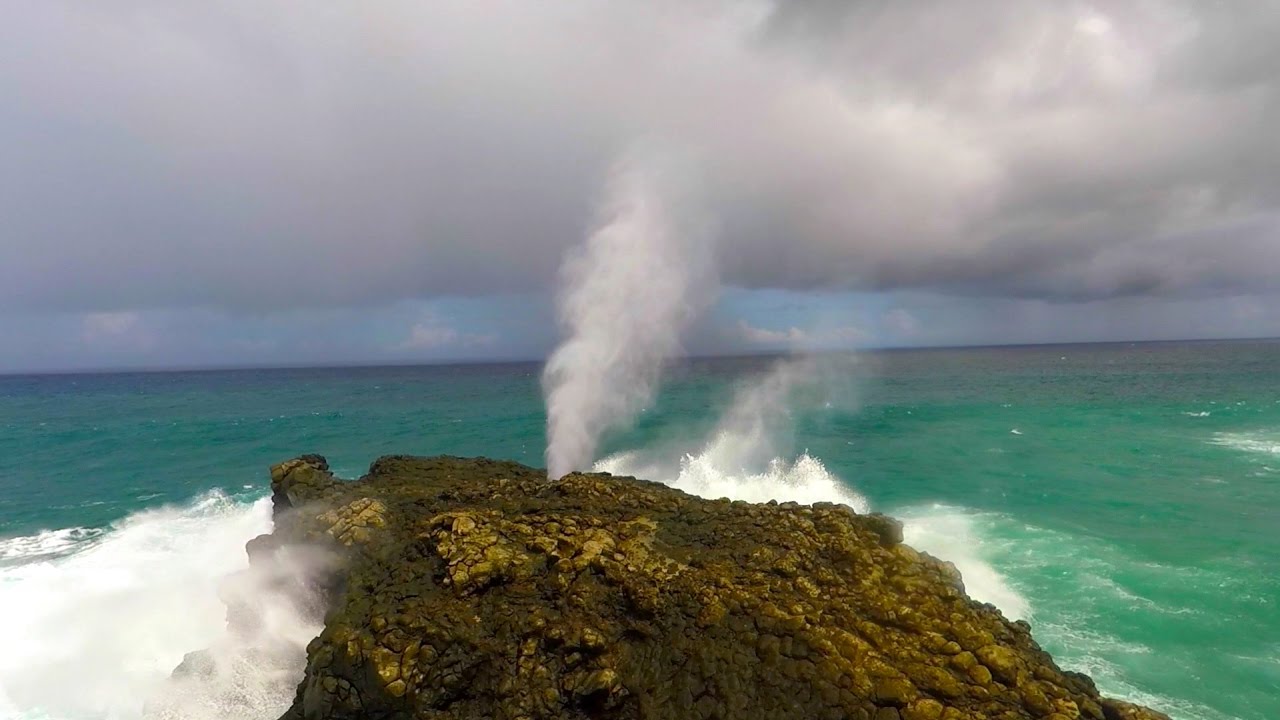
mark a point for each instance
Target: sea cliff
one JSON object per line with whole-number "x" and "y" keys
{"x": 471, "y": 588}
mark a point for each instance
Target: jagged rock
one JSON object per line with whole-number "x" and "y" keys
{"x": 479, "y": 589}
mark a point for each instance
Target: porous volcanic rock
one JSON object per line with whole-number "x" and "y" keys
{"x": 471, "y": 588}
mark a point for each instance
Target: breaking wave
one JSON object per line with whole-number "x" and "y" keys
{"x": 952, "y": 534}
{"x": 97, "y": 620}
{"x": 46, "y": 544}
{"x": 803, "y": 480}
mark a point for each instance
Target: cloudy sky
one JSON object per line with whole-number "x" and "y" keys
{"x": 196, "y": 183}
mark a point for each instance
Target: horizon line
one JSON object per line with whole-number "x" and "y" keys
{"x": 461, "y": 362}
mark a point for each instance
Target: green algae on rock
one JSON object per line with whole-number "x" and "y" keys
{"x": 471, "y": 588}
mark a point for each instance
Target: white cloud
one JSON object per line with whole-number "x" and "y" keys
{"x": 116, "y": 331}
{"x": 901, "y": 323}
{"x": 766, "y": 336}
{"x": 799, "y": 338}
{"x": 427, "y": 335}
{"x": 109, "y": 324}
{"x": 433, "y": 333}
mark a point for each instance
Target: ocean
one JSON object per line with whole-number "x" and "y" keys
{"x": 1122, "y": 498}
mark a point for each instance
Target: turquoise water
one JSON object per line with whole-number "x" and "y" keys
{"x": 1125, "y": 499}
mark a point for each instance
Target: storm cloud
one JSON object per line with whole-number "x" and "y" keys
{"x": 261, "y": 157}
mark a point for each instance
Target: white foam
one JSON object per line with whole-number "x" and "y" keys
{"x": 1110, "y": 680}
{"x": 47, "y": 543}
{"x": 1253, "y": 442}
{"x": 96, "y": 633}
{"x": 740, "y": 459}
{"x": 803, "y": 480}
{"x": 949, "y": 533}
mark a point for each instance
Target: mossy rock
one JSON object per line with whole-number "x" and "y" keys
{"x": 472, "y": 588}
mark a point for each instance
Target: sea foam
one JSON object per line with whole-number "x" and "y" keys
{"x": 1082, "y": 585}
{"x": 1253, "y": 442}
{"x": 803, "y": 480}
{"x": 95, "y": 630}
{"x": 951, "y": 533}
{"x": 742, "y": 460}
{"x": 46, "y": 544}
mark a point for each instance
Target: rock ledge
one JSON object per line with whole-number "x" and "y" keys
{"x": 470, "y": 588}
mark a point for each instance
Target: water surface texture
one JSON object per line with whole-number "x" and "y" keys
{"x": 1123, "y": 499}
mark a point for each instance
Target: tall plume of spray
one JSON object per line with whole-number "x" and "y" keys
{"x": 627, "y": 294}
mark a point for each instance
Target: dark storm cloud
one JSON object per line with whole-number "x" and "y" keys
{"x": 255, "y": 157}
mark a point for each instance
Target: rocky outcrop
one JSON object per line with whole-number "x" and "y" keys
{"x": 479, "y": 589}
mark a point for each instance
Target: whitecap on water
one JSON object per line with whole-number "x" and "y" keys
{"x": 114, "y": 614}
{"x": 45, "y": 544}
{"x": 1108, "y": 676}
{"x": 951, "y": 533}
{"x": 1252, "y": 442}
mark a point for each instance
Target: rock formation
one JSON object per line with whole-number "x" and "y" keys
{"x": 479, "y": 589}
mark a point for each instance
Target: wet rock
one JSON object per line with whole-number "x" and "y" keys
{"x": 1003, "y": 662}
{"x": 1119, "y": 710}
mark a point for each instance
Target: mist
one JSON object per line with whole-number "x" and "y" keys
{"x": 628, "y": 292}
{"x": 120, "y": 612}
{"x": 750, "y": 453}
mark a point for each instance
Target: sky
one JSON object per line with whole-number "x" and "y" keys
{"x": 189, "y": 183}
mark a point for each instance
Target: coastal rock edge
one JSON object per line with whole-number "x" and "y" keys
{"x": 473, "y": 588}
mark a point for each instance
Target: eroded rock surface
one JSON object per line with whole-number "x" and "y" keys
{"x": 479, "y": 589}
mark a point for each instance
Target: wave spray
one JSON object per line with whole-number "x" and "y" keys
{"x": 745, "y": 456}
{"x": 627, "y": 295}
{"x": 113, "y": 615}
{"x": 750, "y": 455}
